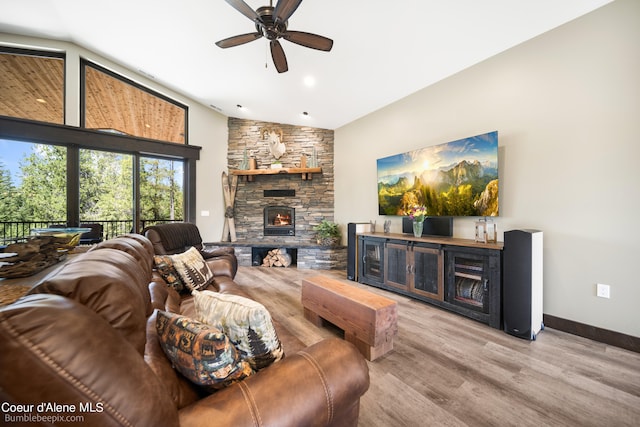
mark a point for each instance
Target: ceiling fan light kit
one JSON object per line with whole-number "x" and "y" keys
{"x": 271, "y": 23}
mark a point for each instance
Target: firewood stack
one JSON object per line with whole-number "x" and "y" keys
{"x": 277, "y": 258}
{"x": 33, "y": 256}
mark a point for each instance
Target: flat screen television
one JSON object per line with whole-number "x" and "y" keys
{"x": 459, "y": 178}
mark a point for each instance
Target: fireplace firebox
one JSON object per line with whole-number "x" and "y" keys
{"x": 279, "y": 221}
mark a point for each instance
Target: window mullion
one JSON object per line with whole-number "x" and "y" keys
{"x": 73, "y": 186}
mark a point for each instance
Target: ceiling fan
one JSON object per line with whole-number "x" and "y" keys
{"x": 271, "y": 23}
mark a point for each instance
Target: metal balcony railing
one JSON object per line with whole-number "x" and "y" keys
{"x": 18, "y": 231}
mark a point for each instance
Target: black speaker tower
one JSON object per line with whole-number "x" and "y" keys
{"x": 522, "y": 283}
{"x": 352, "y": 247}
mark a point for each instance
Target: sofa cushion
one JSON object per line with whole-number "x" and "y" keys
{"x": 108, "y": 282}
{"x": 134, "y": 248}
{"x": 247, "y": 323}
{"x": 182, "y": 391}
{"x": 54, "y": 349}
{"x": 202, "y": 353}
{"x": 146, "y": 243}
{"x": 192, "y": 269}
{"x": 165, "y": 266}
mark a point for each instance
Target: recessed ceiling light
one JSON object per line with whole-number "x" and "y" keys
{"x": 309, "y": 81}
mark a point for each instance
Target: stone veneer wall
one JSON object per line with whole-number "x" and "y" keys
{"x": 313, "y": 200}
{"x": 313, "y": 258}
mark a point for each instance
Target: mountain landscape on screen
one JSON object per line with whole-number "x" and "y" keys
{"x": 459, "y": 178}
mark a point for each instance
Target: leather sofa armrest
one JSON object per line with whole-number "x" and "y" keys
{"x": 225, "y": 265}
{"x": 320, "y": 385}
{"x": 216, "y": 252}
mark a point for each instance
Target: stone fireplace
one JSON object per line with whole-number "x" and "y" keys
{"x": 312, "y": 199}
{"x": 308, "y": 200}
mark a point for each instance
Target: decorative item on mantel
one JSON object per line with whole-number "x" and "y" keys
{"x": 387, "y": 226}
{"x": 313, "y": 163}
{"x": 486, "y": 231}
{"x": 418, "y": 214}
{"x": 244, "y": 165}
{"x": 275, "y": 136}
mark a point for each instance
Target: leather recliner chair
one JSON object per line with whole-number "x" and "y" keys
{"x": 177, "y": 237}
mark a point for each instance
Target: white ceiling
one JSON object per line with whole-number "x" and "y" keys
{"x": 383, "y": 50}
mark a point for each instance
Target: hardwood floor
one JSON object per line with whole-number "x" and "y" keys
{"x": 452, "y": 371}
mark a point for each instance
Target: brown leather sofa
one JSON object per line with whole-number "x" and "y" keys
{"x": 177, "y": 237}
{"x": 84, "y": 339}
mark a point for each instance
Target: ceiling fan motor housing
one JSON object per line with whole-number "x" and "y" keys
{"x": 269, "y": 28}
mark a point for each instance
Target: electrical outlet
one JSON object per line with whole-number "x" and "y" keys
{"x": 603, "y": 291}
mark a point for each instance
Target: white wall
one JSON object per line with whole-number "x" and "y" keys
{"x": 207, "y": 128}
{"x": 567, "y": 108}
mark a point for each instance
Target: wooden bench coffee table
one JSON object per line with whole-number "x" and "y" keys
{"x": 369, "y": 321}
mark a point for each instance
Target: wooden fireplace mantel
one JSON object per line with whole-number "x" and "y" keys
{"x": 306, "y": 173}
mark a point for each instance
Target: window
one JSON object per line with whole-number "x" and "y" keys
{"x": 106, "y": 191}
{"x": 115, "y": 104}
{"x": 122, "y": 179}
{"x": 161, "y": 190}
{"x": 32, "y": 187}
{"x": 32, "y": 85}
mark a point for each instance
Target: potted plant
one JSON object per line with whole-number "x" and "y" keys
{"x": 327, "y": 233}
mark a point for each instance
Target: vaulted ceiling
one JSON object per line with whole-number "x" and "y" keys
{"x": 382, "y": 52}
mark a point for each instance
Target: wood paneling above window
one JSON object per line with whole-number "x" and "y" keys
{"x": 113, "y": 104}
{"x": 32, "y": 87}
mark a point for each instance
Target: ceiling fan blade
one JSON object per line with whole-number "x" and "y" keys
{"x": 244, "y": 9}
{"x": 238, "y": 40}
{"x": 279, "y": 59}
{"x": 313, "y": 41}
{"x": 285, "y": 8}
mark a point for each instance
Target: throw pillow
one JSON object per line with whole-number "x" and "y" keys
{"x": 164, "y": 265}
{"x": 192, "y": 269}
{"x": 247, "y": 323}
{"x": 202, "y": 353}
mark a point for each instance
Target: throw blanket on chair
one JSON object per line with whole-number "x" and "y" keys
{"x": 178, "y": 236}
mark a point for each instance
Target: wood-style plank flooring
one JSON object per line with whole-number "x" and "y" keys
{"x": 447, "y": 370}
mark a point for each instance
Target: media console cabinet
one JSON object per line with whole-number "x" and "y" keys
{"x": 460, "y": 275}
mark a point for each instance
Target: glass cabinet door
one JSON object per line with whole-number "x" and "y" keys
{"x": 397, "y": 268}
{"x": 469, "y": 277}
{"x": 427, "y": 272}
{"x": 371, "y": 260}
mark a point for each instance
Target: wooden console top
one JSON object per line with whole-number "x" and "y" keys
{"x": 469, "y": 243}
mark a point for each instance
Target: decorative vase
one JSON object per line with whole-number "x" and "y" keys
{"x": 244, "y": 165}
{"x": 417, "y": 228}
{"x": 313, "y": 163}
